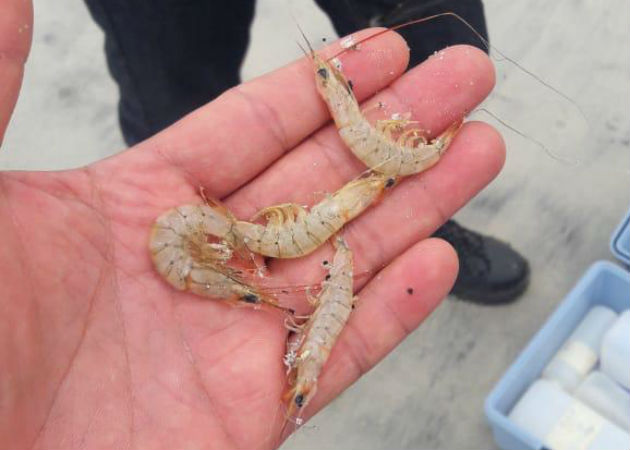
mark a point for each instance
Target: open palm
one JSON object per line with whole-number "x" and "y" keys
{"x": 97, "y": 351}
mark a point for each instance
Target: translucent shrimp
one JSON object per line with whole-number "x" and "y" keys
{"x": 406, "y": 154}
{"x": 182, "y": 254}
{"x": 308, "y": 352}
{"x": 291, "y": 231}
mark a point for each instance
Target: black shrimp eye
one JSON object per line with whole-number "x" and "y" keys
{"x": 322, "y": 73}
{"x": 251, "y": 298}
{"x": 390, "y": 182}
{"x": 299, "y": 400}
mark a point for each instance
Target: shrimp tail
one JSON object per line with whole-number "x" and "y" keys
{"x": 215, "y": 203}
{"x": 443, "y": 141}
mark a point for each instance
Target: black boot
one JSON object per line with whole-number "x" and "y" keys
{"x": 490, "y": 271}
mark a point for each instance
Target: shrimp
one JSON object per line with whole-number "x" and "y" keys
{"x": 308, "y": 353}
{"x": 407, "y": 154}
{"x": 292, "y": 231}
{"x": 182, "y": 254}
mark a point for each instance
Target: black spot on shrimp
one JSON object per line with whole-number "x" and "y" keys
{"x": 390, "y": 182}
{"x": 409, "y": 290}
{"x": 299, "y": 400}
{"x": 349, "y": 87}
{"x": 323, "y": 72}
{"x": 251, "y": 298}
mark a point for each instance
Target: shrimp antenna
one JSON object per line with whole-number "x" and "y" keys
{"x": 559, "y": 158}
{"x": 308, "y": 43}
{"x": 303, "y": 49}
{"x": 485, "y": 43}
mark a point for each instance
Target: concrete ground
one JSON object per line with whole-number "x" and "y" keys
{"x": 557, "y": 210}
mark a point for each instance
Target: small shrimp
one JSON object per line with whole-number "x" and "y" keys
{"x": 308, "y": 353}
{"x": 292, "y": 231}
{"x": 182, "y": 254}
{"x": 407, "y": 154}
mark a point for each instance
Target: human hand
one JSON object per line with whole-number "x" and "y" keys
{"x": 98, "y": 351}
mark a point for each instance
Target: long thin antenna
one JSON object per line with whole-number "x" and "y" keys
{"x": 572, "y": 162}
{"x": 485, "y": 43}
{"x": 303, "y": 49}
{"x": 308, "y": 43}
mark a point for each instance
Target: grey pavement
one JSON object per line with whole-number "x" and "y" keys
{"x": 558, "y": 205}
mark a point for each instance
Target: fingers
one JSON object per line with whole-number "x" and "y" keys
{"x": 389, "y": 307}
{"x": 16, "y": 25}
{"x": 225, "y": 143}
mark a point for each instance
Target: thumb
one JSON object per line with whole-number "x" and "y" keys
{"x": 16, "y": 28}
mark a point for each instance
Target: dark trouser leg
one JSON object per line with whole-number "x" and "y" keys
{"x": 170, "y": 57}
{"x": 424, "y": 38}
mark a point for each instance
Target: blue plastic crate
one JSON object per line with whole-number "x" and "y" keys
{"x": 603, "y": 284}
{"x": 620, "y": 242}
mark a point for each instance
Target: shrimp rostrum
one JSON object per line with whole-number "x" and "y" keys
{"x": 390, "y": 147}
{"x": 183, "y": 254}
{"x": 308, "y": 353}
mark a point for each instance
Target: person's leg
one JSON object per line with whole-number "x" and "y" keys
{"x": 490, "y": 270}
{"x": 170, "y": 57}
{"x": 423, "y": 39}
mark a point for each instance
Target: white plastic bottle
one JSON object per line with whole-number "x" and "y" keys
{"x": 579, "y": 354}
{"x": 606, "y": 397}
{"x": 615, "y": 351}
{"x": 562, "y": 422}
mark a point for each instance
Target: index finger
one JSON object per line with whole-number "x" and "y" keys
{"x": 225, "y": 143}
{"x": 16, "y": 20}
